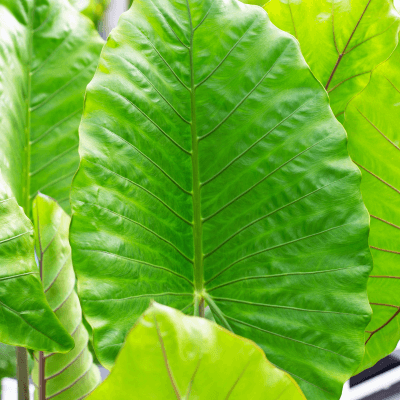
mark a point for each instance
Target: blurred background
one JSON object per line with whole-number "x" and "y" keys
{"x": 381, "y": 382}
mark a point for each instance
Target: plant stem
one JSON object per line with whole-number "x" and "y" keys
{"x": 22, "y": 374}
{"x": 42, "y": 379}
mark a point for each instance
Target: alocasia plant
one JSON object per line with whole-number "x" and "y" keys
{"x": 372, "y": 122}
{"x": 213, "y": 171}
{"x": 151, "y": 366}
{"x": 341, "y": 40}
{"x": 48, "y": 53}
{"x": 60, "y": 376}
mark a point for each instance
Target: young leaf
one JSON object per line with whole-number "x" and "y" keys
{"x": 67, "y": 376}
{"x": 168, "y": 355}
{"x": 341, "y": 40}
{"x": 25, "y": 317}
{"x": 372, "y": 122}
{"x": 212, "y": 168}
{"x": 48, "y": 54}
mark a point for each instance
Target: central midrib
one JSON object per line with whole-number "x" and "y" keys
{"x": 197, "y": 219}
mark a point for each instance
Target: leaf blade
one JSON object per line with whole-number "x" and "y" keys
{"x": 73, "y": 375}
{"x": 299, "y": 175}
{"x": 165, "y": 335}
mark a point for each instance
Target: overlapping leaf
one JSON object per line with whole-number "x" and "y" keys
{"x": 341, "y": 40}
{"x": 184, "y": 359}
{"x": 25, "y": 318}
{"x": 48, "y": 54}
{"x": 213, "y": 168}
{"x": 372, "y": 122}
{"x": 67, "y": 376}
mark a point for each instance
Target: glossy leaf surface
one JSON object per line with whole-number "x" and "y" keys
{"x": 68, "y": 376}
{"x": 372, "y": 123}
{"x": 341, "y": 40}
{"x": 168, "y": 355}
{"x": 26, "y": 318}
{"x": 48, "y": 54}
{"x": 212, "y": 167}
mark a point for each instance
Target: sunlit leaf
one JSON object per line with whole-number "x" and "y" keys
{"x": 372, "y": 122}
{"x": 212, "y": 168}
{"x": 168, "y": 355}
{"x": 341, "y": 40}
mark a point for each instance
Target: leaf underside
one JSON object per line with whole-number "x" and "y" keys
{"x": 212, "y": 166}
{"x": 184, "y": 359}
{"x": 372, "y": 121}
{"x": 69, "y": 376}
{"x": 341, "y": 40}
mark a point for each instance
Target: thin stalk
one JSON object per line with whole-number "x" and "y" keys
{"x": 42, "y": 379}
{"x": 22, "y": 374}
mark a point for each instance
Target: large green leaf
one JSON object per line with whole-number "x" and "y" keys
{"x": 372, "y": 122}
{"x": 25, "y": 318}
{"x": 48, "y": 54}
{"x": 213, "y": 168}
{"x": 341, "y": 40}
{"x": 170, "y": 356}
{"x": 68, "y": 376}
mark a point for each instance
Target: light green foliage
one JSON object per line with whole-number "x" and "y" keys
{"x": 48, "y": 54}
{"x": 212, "y": 167}
{"x": 68, "y": 376}
{"x": 341, "y": 40}
{"x": 94, "y": 9}
{"x": 25, "y": 316}
{"x": 372, "y": 123}
{"x": 170, "y": 356}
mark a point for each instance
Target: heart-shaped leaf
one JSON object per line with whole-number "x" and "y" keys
{"x": 372, "y": 122}
{"x": 66, "y": 376}
{"x": 168, "y": 355}
{"x": 341, "y": 40}
{"x": 212, "y": 169}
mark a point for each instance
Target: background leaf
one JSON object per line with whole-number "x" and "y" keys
{"x": 341, "y": 40}
{"x": 372, "y": 122}
{"x": 25, "y": 318}
{"x": 212, "y": 166}
{"x": 93, "y": 9}
{"x": 184, "y": 359}
{"x": 48, "y": 54}
{"x": 68, "y": 376}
